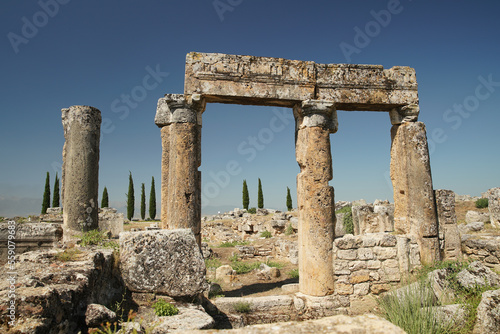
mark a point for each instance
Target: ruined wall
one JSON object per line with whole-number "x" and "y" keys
{"x": 370, "y": 263}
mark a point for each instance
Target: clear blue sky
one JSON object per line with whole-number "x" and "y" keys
{"x": 58, "y": 53}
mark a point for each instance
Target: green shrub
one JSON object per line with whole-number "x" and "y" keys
{"x": 482, "y": 203}
{"x": 212, "y": 263}
{"x": 244, "y": 267}
{"x": 289, "y": 230}
{"x": 227, "y": 244}
{"x": 252, "y": 211}
{"x": 234, "y": 258}
{"x": 162, "y": 308}
{"x": 348, "y": 223}
{"x": 411, "y": 309}
{"x": 278, "y": 265}
{"x": 242, "y": 307}
{"x": 294, "y": 273}
{"x": 266, "y": 234}
{"x": 67, "y": 255}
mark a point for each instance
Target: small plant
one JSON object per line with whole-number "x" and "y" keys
{"x": 294, "y": 273}
{"x": 411, "y": 309}
{"x": 289, "y": 230}
{"x": 244, "y": 267}
{"x": 266, "y": 234}
{"x": 348, "y": 222}
{"x": 482, "y": 203}
{"x": 212, "y": 263}
{"x": 162, "y": 308}
{"x": 92, "y": 237}
{"x": 242, "y": 307}
{"x": 228, "y": 244}
{"x": 274, "y": 264}
{"x": 252, "y": 211}
{"x": 67, "y": 255}
{"x": 234, "y": 258}
{"x": 2, "y": 219}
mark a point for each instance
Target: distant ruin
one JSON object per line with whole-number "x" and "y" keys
{"x": 315, "y": 92}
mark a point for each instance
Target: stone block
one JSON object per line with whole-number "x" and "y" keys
{"x": 165, "y": 262}
{"x": 365, "y": 253}
{"x": 384, "y": 253}
{"x": 475, "y": 216}
{"x": 110, "y": 220}
{"x": 283, "y": 82}
{"x": 488, "y": 319}
{"x": 361, "y": 289}
{"x": 343, "y": 288}
{"x": 348, "y": 241}
{"x": 350, "y": 254}
{"x": 377, "y": 288}
{"x": 360, "y": 276}
{"x": 373, "y": 264}
{"x": 357, "y": 265}
{"x": 494, "y": 206}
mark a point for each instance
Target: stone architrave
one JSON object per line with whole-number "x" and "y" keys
{"x": 415, "y": 208}
{"x": 80, "y": 170}
{"x": 450, "y": 241}
{"x": 179, "y": 117}
{"x": 315, "y": 120}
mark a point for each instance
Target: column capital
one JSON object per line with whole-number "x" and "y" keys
{"x": 403, "y": 114}
{"x": 321, "y": 113}
{"x": 179, "y": 108}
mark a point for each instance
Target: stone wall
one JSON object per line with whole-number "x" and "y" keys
{"x": 485, "y": 249}
{"x": 371, "y": 263}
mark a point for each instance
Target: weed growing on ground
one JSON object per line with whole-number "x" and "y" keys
{"x": 242, "y": 307}
{"x": 244, "y": 267}
{"x": 212, "y": 263}
{"x": 228, "y": 244}
{"x": 266, "y": 234}
{"x": 69, "y": 254}
{"x": 289, "y": 230}
{"x": 163, "y": 308}
{"x": 252, "y": 211}
{"x": 294, "y": 273}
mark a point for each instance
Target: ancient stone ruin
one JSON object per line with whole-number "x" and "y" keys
{"x": 80, "y": 171}
{"x": 315, "y": 92}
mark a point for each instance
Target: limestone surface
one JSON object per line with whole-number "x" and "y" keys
{"x": 315, "y": 199}
{"x": 165, "y": 262}
{"x": 338, "y": 324}
{"x": 494, "y": 206}
{"x": 282, "y": 82}
{"x": 80, "y": 170}
{"x": 96, "y": 314}
{"x": 451, "y": 244}
{"x": 179, "y": 117}
{"x": 415, "y": 209}
{"x": 488, "y": 313}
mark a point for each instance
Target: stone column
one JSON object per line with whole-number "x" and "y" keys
{"x": 450, "y": 243}
{"x": 415, "y": 208}
{"x": 80, "y": 170}
{"x": 315, "y": 120}
{"x": 179, "y": 117}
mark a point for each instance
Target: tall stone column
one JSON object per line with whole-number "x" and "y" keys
{"x": 414, "y": 203}
{"x": 179, "y": 117}
{"x": 80, "y": 170}
{"x": 315, "y": 120}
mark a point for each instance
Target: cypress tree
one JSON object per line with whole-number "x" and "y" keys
{"x": 130, "y": 198}
{"x": 260, "y": 201}
{"x": 246, "y": 198}
{"x": 143, "y": 203}
{"x": 288, "y": 200}
{"x": 46, "y": 195}
{"x": 152, "y": 200}
{"x": 55, "y": 198}
{"x": 105, "y": 198}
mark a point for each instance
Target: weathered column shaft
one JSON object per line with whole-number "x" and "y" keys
{"x": 179, "y": 117}
{"x": 315, "y": 121}
{"x": 80, "y": 170}
{"x": 415, "y": 209}
{"x": 450, "y": 244}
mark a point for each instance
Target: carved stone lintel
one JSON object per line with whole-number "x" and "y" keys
{"x": 408, "y": 113}
{"x": 320, "y": 113}
{"x": 179, "y": 108}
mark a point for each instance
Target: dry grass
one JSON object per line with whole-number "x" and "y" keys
{"x": 461, "y": 208}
